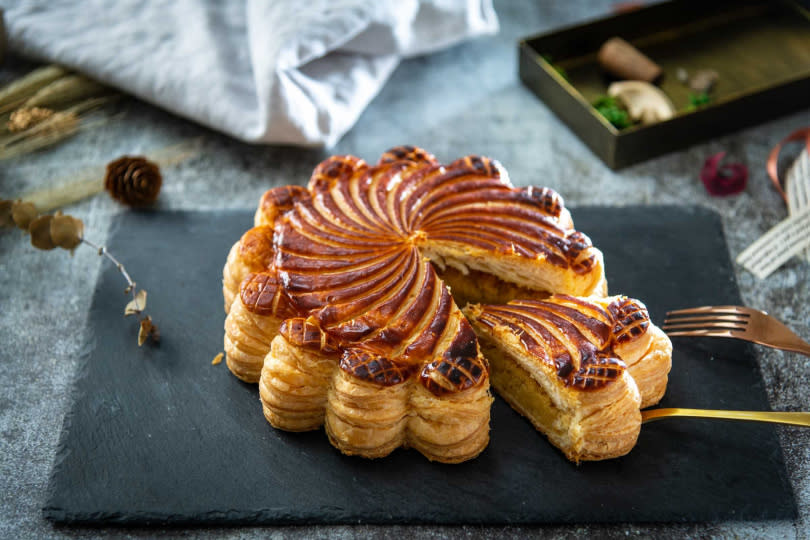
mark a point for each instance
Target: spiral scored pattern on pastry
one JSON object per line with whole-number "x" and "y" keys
{"x": 352, "y": 256}
{"x": 579, "y": 368}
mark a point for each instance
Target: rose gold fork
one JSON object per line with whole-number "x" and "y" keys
{"x": 734, "y": 322}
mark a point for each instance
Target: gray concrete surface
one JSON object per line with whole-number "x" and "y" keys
{"x": 465, "y": 100}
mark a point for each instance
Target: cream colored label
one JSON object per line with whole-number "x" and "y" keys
{"x": 777, "y": 246}
{"x": 791, "y": 236}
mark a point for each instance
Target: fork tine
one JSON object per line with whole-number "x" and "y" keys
{"x": 738, "y": 322}
{"x": 703, "y": 326}
{"x": 707, "y": 309}
{"x": 703, "y": 333}
{"x": 738, "y": 319}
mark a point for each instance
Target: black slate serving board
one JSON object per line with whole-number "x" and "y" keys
{"x": 159, "y": 435}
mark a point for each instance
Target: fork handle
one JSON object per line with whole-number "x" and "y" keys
{"x": 791, "y": 418}
{"x": 796, "y": 346}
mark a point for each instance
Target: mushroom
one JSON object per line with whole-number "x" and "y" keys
{"x": 644, "y": 102}
{"x": 704, "y": 80}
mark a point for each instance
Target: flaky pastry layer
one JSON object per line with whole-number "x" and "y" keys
{"x": 302, "y": 390}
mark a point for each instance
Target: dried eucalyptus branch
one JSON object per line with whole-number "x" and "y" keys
{"x": 138, "y": 304}
{"x": 49, "y": 231}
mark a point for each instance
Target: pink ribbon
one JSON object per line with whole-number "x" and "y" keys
{"x": 773, "y": 158}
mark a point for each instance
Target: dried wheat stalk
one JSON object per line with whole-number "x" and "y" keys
{"x": 50, "y": 130}
{"x": 30, "y": 115}
{"x": 63, "y": 91}
{"x": 90, "y": 181}
{"x": 15, "y": 94}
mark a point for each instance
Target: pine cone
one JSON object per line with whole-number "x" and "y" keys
{"x": 134, "y": 181}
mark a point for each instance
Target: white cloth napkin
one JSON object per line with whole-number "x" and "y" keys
{"x": 273, "y": 71}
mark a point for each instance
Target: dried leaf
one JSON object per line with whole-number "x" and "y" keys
{"x": 67, "y": 231}
{"x": 146, "y": 329}
{"x": 40, "y": 231}
{"x": 6, "y": 219}
{"x": 23, "y": 213}
{"x": 137, "y": 304}
{"x": 155, "y": 333}
{"x": 217, "y": 359}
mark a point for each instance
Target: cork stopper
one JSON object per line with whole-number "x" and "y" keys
{"x": 622, "y": 60}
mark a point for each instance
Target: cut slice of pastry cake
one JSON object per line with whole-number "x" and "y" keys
{"x": 579, "y": 369}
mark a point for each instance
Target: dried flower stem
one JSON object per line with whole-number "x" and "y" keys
{"x": 49, "y": 231}
{"x": 147, "y": 327}
{"x": 102, "y": 251}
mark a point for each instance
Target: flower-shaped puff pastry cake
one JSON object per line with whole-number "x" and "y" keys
{"x": 337, "y": 307}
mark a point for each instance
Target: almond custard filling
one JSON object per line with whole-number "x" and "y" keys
{"x": 526, "y": 395}
{"x": 476, "y": 287}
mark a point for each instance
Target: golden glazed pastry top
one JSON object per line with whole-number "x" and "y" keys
{"x": 348, "y": 260}
{"x": 575, "y": 337}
